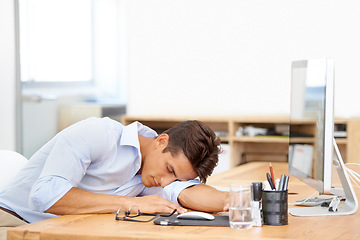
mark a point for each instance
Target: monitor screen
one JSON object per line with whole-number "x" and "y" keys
{"x": 310, "y": 151}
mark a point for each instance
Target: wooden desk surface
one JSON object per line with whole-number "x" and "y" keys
{"x": 104, "y": 226}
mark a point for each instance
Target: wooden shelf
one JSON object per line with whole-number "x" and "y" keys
{"x": 303, "y": 140}
{"x": 224, "y": 139}
{"x": 262, "y": 139}
{"x": 265, "y": 148}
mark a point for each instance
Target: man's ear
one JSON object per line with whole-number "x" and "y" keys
{"x": 162, "y": 140}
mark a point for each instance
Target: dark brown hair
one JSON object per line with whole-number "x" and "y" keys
{"x": 199, "y": 144}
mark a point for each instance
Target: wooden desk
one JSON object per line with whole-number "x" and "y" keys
{"x": 104, "y": 226}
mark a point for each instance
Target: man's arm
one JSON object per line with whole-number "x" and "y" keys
{"x": 204, "y": 198}
{"x": 78, "y": 201}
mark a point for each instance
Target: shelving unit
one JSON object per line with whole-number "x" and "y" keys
{"x": 259, "y": 148}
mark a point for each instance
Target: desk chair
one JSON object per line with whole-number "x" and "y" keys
{"x": 10, "y": 163}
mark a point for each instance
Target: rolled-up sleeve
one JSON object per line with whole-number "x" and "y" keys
{"x": 47, "y": 191}
{"x": 69, "y": 156}
{"x": 171, "y": 192}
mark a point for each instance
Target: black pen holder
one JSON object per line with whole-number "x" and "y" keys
{"x": 275, "y": 207}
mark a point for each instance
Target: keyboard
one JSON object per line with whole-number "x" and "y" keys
{"x": 314, "y": 201}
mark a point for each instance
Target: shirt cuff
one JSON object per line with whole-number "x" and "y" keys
{"x": 47, "y": 191}
{"x": 173, "y": 190}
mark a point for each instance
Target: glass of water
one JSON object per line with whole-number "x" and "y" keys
{"x": 240, "y": 211}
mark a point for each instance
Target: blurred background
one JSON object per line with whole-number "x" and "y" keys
{"x": 62, "y": 61}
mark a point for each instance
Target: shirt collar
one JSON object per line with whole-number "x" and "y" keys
{"x": 132, "y": 131}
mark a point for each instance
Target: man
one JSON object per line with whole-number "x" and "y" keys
{"x": 98, "y": 166}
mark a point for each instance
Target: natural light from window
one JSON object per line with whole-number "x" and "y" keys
{"x": 56, "y": 40}
{"x": 78, "y": 45}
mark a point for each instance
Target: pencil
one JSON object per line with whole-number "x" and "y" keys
{"x": 272, "y": 174}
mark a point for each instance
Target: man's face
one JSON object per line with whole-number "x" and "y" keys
{"x": 161, "y": 169}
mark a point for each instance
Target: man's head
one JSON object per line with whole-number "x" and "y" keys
{"x": 198, "y": 143}
{"x": 183, "y": 152}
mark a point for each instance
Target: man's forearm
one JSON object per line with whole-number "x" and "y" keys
{"x": 204, "y": 198}
{"x": 78, "y": 201}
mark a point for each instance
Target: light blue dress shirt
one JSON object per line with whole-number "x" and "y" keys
{"x": 99, "y": 155}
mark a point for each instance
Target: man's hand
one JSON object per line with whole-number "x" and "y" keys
{"x": 156, "y": 204}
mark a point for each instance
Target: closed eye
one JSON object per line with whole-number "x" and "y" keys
{"x": 171, "y": 170}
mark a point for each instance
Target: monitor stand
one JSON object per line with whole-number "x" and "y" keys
{"x": 345, "y": 208}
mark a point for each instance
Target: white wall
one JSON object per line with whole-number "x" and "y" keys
{"x": 206, "y": 57}
{"x": 8, "y": 84}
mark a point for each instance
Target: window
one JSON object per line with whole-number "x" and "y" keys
{"x": 67, "y": 42}
{"x": 56, "y": 42}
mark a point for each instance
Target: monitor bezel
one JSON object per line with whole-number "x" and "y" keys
{"x": 329, "y": 126}
{"x": 322, "y": 186}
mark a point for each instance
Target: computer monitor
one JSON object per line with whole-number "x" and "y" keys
{"x": 313, "y": 153}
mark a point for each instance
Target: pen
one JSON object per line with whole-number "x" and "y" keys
{"x": 282, "y": 183}
{"x": 272, "y": 174}
{"x": 270, "y": 181}
{"x": 286, "y": 182}
{"x": 277, "y": 184}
